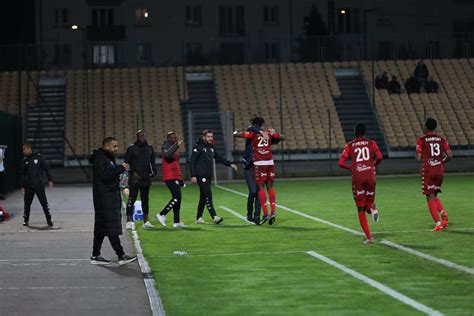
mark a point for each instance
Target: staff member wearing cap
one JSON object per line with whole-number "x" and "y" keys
{"x": 141, "y": 157}
{"x": 172, "y": 177}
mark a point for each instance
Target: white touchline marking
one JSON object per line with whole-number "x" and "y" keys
{"x": 155, "y": 301}
{"x": 236, "y": 214}
{"x": 232, "y": 254}
{"x": 379, "y": 286}
{"x": 417, "y": 253}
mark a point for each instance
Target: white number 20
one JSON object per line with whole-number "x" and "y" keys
{"x": 362, "y": 154}
{"x": 434, "y": 150}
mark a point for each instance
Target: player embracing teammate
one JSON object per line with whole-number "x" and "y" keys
{"x": 365, "y": 156}
{"x": 433, "y": 151}
{"x": 264, "y": 166}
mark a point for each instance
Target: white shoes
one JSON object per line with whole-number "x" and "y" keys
{"x": 200, "y": 220}
{"x": 161, "y": 219}
{"x": 218, "y": 220}
{"x": 148, "y": 225}
{"x": 375, "y": 215}
{"x": 179, "y": 225}
{"x": 130, "y": 225}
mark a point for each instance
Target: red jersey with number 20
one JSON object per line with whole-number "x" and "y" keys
{"x": 432, "y": 148}
{"x": 261, "y": 146}
{"x": 363, "y": 153}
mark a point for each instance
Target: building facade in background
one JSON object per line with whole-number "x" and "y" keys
{"x": 130, "y": 33}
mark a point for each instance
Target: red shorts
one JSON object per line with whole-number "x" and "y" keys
{"x": 264, "y": 174}
{"x": 363, "y": 189}
{"x": 431, "y": 183}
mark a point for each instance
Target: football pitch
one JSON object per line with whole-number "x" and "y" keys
{"x": 313, "y": 260}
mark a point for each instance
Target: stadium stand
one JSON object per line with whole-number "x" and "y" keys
{"x": 402, "y": 115}
{"x": 150, "y": 98}
{"x": 307, "y": 91}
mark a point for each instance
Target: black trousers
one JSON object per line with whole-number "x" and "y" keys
{"x": 144, "y": 193}
{"x": 175, "y": 202}
{"x": 2, "y": 183}
{"x": 28, "y": 199}
{"x": 114, "y": 242}
{"x": 252, "y": 199}
{"x": 205, "y": 199}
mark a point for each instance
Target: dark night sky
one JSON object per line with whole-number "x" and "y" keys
{"x": 17, "y": 24}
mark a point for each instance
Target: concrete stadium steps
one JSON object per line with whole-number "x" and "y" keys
{"x": 45, "y": 122}
{"x": 204, "y": 109}
{"x": 353, "y": 106}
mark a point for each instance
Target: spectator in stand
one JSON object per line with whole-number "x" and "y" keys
{"x": 394, "y": 86}
{"x": 412, "y": 85}
{"x": 421, "y": 73}
{"x": 431, "y": 85}
{"x": 381, "y": 82}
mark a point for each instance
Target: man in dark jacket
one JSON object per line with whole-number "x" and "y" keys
{"x": 107, "y": 201}
{"x": 394, "y": 86}
{"x": 31, "y": 179}
{"x": 412, "y": 85}
{"x": 201, "y": 166}
{"x": 431, "y": 86}
{"x": 141, "y": 157}
{"x": 421, "y": 73}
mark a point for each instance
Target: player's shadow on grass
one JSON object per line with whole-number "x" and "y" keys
{"x": 459, "y": 232}
{"x": 173, "y": 230}
{"x": 295, "y": 228}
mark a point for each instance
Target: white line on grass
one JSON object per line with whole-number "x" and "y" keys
{"x": 379, "y": 286}
{"x": 236, "y": 214}
{"x": 155, "y": 301}
{"x": 417, "y": 253}
{"x": 233, "y": 254}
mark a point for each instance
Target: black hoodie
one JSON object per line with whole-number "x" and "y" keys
{"x": 32, "y": 170}
{"x": 201, "y": 159}
{"x": 141, "y": 157}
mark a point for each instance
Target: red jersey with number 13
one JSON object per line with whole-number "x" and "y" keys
{"x": 261, "y": 146}
{"x": 432, "y": 148}
{"x": 363, "y": 152}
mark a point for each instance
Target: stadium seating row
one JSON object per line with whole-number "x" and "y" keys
{"x": 102, "y": 102}
{"x": 307, "y": 92}
{"x": 402, "y": 116}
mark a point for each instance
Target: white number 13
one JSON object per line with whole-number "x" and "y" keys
{"x": 434, "y": 150}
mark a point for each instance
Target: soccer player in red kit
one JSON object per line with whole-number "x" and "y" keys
{"x": 433, "y": 151}
{"x": 365, "y": 156}
{"x": 264, "y": 167}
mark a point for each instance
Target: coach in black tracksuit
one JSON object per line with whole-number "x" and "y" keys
{"x": 31, "y": 178}
{"x": 141, "y": 157}
{"x": 201, "y": 166}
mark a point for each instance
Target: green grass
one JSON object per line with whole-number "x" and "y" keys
{"x": 236, "y": 268}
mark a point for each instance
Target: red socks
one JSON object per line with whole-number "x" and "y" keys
{"x": 439, "y": 205}
{"x": 432, "y": 205}
{"x": 272, "y": 197}
{"x": 262, "y": 196}
{"x": 364, "y": 224}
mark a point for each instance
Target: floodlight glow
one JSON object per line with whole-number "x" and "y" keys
{"x": 343, "y": 11}
{"x": 74, "y": 27}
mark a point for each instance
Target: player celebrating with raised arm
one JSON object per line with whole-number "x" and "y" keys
{"x": 365, "y": 156}
{"x": 433, "y": 151}
{"x": 264, "y": 167}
